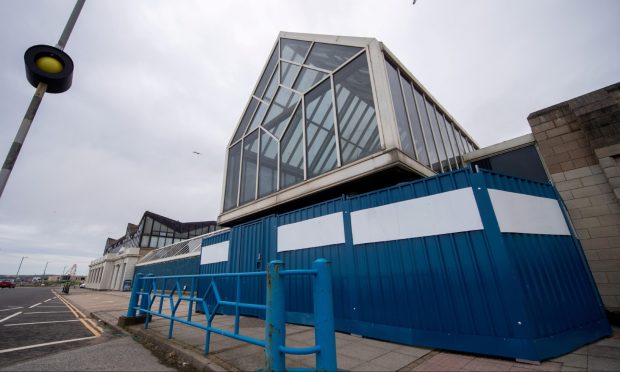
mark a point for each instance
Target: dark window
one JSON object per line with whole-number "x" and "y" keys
{"x": 271, "y": 65}
{"x": 245, "y": 120}
{"x": 320, "y": 130}
{"x": 248, "y": 168}
{"x": 524, "y": 162}
{"x": 307, "y": 78}
{"x": 357, "y": 123}
{"x": 414, "y": 121}
{"x": 289, "y": 72}
{"x": 292, "y": 148}
{"x": 406, "y": 142}
{"x": 329, "y": 56}
{"x": 294, "y": 50}
{"x": 268, "y": 165}
{"x": 232, "y": 177}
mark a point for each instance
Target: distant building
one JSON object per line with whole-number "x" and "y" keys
{"x": 121, "y": 255}
{"x": 576, "y": 145}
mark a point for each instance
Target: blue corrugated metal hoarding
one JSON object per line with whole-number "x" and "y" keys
{"x": 476, "y": 262}
{"x": 185, "y": 266}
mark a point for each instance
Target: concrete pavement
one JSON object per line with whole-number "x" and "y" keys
{"x": 354, "y": 353}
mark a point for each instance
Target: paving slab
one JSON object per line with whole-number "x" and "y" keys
{"x": 354, "y": 353}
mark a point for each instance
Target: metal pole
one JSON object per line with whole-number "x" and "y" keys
{"x": 19, "y": 268}
{"x": 275, "y": 319}
{"x": 324, "y": 332}
{"x": 133, "y": 299}
{"x": 20, "y": 137}
{"x": 24, "y": 127}
{"x": 70, "y": 23}
{"x": 44, "y": 270}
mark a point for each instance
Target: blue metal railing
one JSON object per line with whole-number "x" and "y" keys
{"x": 145, "y": 292}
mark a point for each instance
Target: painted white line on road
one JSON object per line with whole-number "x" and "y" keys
{"x": 46, "y": 312}
{"x": 49, "y": 299}
{"x": 46, "y": 344}
{"x": 10, "y": 316}
{"x": 12, "y": 308}
{"x": 35, "y": 305}
{"x": 48, "y": 306}
{"x": 52, "y": 321}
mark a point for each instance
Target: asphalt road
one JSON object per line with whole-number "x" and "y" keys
{"x": 40, "y": 331}
{"x": 35, "y": 322}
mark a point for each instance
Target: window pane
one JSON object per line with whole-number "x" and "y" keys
{"x": 441, "y": 151}
{"x": 245, "y": 120}
{"x": 248, "y": 168}
{"x": 294, "y": 50}
{"x": 329, "y": 56}
{"x": 406, "y": 142}
{"x": 414, "y": 121}
{"x": 280, "y": 111}
{"x": 426, "y": 127}
{"x": 273, "y": 60}
{"x": 258, "y": 116}
{"x": 463, "y": 142}
{"x": 288, "y": 73}
{"x": 273, "y": 86}
{"x": 320, "y": 130}
{"x": 149, "y": 225}
{"x": 292, "y": 147}
{"x": 357, "y": 123}
{"x": 307, "y": 78}
{"x": 268, "y": 173}
{"x": 453, "y": 143}
{"x": 456, "y": 135}
{"x": 445, "y": 139}
{"x": 232, "y": 177}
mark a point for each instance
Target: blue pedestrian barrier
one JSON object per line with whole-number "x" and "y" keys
{"x": 147, "y": 289}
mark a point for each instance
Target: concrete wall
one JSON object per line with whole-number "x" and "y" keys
{"x": 579, "y": 141}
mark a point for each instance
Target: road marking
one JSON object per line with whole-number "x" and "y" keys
{"x": 48, "y": 306}
{"x": 75, "y": 312}
{"x": 49, "y": 299}
{"x": 10, "y": 316}
{"x": 46, "y": 344}
{"x": 52, "y": 321}
{"x": 35, "y": 305}
{"x": 46, "y": 312}
{"x": 12, "y": 308}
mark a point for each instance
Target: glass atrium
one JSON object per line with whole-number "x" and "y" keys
{"x": 324, "y": 103}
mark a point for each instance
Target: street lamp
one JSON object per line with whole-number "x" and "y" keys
{"x": 44, "y": 270}
{"x": 49, "y": 69}
{"x": 19, "y": 268}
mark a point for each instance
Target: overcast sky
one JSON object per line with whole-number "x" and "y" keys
{"x": 156, "y": 80}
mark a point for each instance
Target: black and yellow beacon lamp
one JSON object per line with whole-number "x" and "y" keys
{"x": 48, "y": 69}
{"x": 49, "y": 65}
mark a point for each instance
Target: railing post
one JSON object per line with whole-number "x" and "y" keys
{"x": 144, "y": 300}
{"x": 324, "y": 316}
{"x": 133, "y": 299}
{"x": 275, "y": 319}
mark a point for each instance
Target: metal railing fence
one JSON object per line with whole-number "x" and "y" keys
{"x": 146, "y": 290}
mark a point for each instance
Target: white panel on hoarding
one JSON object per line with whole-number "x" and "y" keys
{"x": 214, "y": 253}
{"x": 444, "y": 213}
{"x": 527, "y": 214}
{"x": 315, "y": 232}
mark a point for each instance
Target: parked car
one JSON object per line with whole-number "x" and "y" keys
{"x": 7, "y": 284}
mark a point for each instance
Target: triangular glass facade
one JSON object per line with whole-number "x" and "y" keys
{"x": 328, "y": 110}
{"x": 312, "y": 111}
